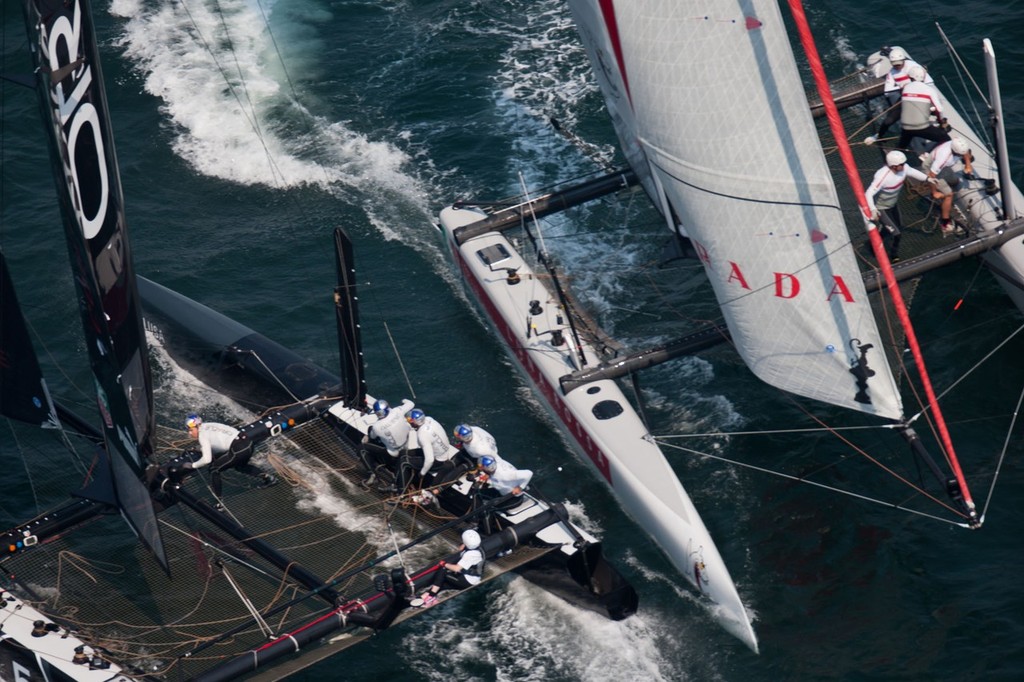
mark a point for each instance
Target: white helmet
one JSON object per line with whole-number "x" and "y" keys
{"x": 895, "y": 158}
{"x": 916, "y": 73}
{"x": 897, "y": 55}
{"x": 471, "y": 539}
{"x": 960, "y": 146}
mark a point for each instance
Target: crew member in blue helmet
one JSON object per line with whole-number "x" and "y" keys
{"x": 386, "y": 439}
{"x": 504, "y": 477}
{"x": 429, "y": 451}
{"x": 475, "y": 442}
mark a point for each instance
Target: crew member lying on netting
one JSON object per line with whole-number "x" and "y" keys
{"x": 465, "y": 572}
{"x": 385, "y": 440}
{"x": 220, "y": 448}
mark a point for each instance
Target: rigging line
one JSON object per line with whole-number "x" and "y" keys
{"x": 195, "y": 536}
{"x": 257, "y": 618}
{"x": 1002, "y": 455}
{"x": 277, "y": 50}
{"x": 962, "y": 67}
{"x": 972, "y": 369}
{"x": 712, "y": 434}
{"x": 401, "y": 365}
{"x": 254, "y": 124}
{"x": 873, "y": 460}
{"x": 533, "y": 214}
{"x": 17, "y": 446}
{"x": 850, "y": 493}
{"x": 978, "y": 122}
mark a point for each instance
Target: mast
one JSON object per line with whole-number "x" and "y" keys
{"x": 1002, "y": 155}
{"x": 835, "y": 123}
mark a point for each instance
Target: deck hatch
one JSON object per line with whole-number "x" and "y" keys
{"x": 495, "y": 254}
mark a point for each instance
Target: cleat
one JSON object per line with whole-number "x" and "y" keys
{"x": 368, "y": 481}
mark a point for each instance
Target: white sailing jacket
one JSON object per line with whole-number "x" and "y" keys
{"x": 393, "y": 430}
{"x": 507, "y": 477}
{"x": 214, "y": 439}
{"x": 435, "y": 444}
{"x": 482, "y": 445}
{"x": 919, "y": 99}
{"x": 896, "y": 79}
{"x": 884, "y": 190}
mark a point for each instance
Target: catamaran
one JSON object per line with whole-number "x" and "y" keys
{"x": 751, "y": 174}
{"x": 259, "y": 579}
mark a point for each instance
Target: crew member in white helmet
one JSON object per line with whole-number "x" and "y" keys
{"x": 465, "y": 572}
{"x": 895, "y": 79}
{"x": 920, "y": 110}
{"x": 940, "y": 162}
{"x": 475, "y": 442}
{"x": 883, "y": 194}
{"x": 386, "y": 438}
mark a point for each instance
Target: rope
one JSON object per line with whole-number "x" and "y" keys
{"x": 850, "y": 493}
{"x": 257, "y": 618}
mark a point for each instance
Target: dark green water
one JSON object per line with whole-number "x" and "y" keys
{"x": 385, "y": 112}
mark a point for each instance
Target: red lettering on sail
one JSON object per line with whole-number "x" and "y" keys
{"x": 736, "y": 274}
{"x": 786, "y": 285}
{"x": 702, "y": 253}
{"x": 839, "y": 288}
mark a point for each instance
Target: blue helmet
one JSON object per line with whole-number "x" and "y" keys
{"x": 193, "y": 421}
{"x": 488, "y": 464}
{"x": 381, "y": 408}
{"x": 416, "y": 417}
{"x": 464, "y": 433}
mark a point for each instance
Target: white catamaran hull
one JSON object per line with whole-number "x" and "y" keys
{"x": 598, "y": 418}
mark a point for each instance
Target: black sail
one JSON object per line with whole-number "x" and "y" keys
{"x": 353, "y": 375}
{"x": 76, "y": 118}
{"x": 23, "y": 393}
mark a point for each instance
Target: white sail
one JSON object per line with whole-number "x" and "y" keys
{"x": 711, "y": 112}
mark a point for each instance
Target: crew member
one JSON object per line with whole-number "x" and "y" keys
{"x": 386, "y": 439}
{"x": 897, "y": 77}
{"x": 504, "y": 477}
{"x": 921, "y": 103}
{"x": 220, "y": 448}
{"x": 475, "y": 442}
{"x": 465, "y": 572}
{"x": 883, "y": 194}
{"x": 435, "y": 453}
{"x": 940, "y": 164}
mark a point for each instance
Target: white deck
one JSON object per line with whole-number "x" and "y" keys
{"x": 53, "y": 650}
{"x": 597, "y": 417}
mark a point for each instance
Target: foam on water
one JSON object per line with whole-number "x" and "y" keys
{"x": 531, "y": 634}
{"x": 219, "y": 77}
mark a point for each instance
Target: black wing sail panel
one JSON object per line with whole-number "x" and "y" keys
{"x": 347, "y": 312}
{"x": 23, "y": 393}
{"x": 75, "y": 115}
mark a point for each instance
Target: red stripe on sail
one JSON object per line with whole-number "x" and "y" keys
{"x": 836, "y": 124}
{"x": 608, "y": 12}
